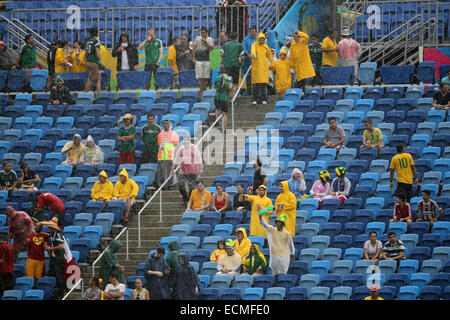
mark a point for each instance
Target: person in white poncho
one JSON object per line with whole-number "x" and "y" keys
{"x": 91, "y": 154}
{"x": 280, "y": 244}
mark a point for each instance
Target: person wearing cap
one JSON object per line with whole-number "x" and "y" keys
{"x": 78, "y": 57}
{"x": 281, "y": 246}
{"x": 6, "y": 264}
{"x": 189, "y": 158}
{"x": 242, "y": 243}
{"x": 349, "y": 52}
{"x": 126, "y": 191}
{"x": 340, "y": 186}
{"x": 286, "y": 204}
{"x": 167, "y": 141}
{"x": 7, "y": 57}
{"x": 229, "y": 263}
{"x": 126, "y": 54}
{"x": 28, "y": 178}
{"x": 91, "y": 154}
{"x": 330, "y": 52}
{"x": 223, "y": 86}
{"x": 93, "y": 61}
{"x": 54, "y": 203}
{"x": 297, "y": 184}
{"x": 283, "y": 77}
{"x": 126, "y": 135}
{"x": 259, "y": 202}
{"x": 254, "y": 263}
{"x": 372, "y": 137}
{"x": 20, "y": 225}
{"x": 72, "y": 150}
{"x": 374, "y": 294}
{"x": 321, "y": 187}
{"x": 103, "y": 189}
{"x": 219, "y": 252}
{"x": 34, "y": 267}
{"x": 150, "y": 138}
{"x": 301, "y": 59}
{"x": 402, "y": 210}
{"x": 261, "y": 56}
{"x": 59, "y": 94}
{"x": 55, "y": 249}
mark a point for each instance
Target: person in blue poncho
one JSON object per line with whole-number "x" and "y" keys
{"x": 246, "y": 60}
{"x": 272, "y": 42}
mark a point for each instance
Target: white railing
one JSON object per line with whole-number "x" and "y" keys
{"x": 76, "y": 286}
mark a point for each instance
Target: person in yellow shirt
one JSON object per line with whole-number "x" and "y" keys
{"x": 172, "y": 62}
{"x": 330, "y": 50}
{"x": 219, "y": 252}
{"x": 286, "y": 203}
{"x": 103, "y": 189}
{"x": 283, "y": 77}
{"x": 78, "y": 58}
{"x": 260, "y": 68}
{"x": 259, "y": 202}
{"x": 61, "y": 63}
{"x": 242, "y": 244}
{"x": 126, "y": 191}
{"x": 403, "y": 163}
{"x": 301, "y": 59}
{"x": 200, "y": 198}
{"x": 374, "y": 294}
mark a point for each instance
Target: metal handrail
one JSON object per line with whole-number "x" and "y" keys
{"x": 35, "y": 34}
{"x": 159, "y": 191}
{"x": 73, "y": 288}
{"x": 236, "y": 95}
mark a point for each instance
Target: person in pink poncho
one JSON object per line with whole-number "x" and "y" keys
{"x": 20, "y": 224}
{"x": 321, "y": 188}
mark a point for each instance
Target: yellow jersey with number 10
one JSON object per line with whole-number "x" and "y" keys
{"x": 402, "y": 164}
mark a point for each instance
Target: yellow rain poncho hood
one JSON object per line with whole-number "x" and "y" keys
{"x": 242, "y": 248}
{"x": 283, "y": 77}
{"x": 300, "y": 57}
{"x": 124, "y": 190}
{"x": 103, "y": 190}
{"x": 260, "y": 65}
{"x": 289, "y": 201}
{"x": 255, "y": 226}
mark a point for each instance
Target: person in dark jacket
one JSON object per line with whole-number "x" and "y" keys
{"x": 187, "y": 282}
{"x": 156, "y": 272}
{"x": 51, "y": 63}
{"x": 126, "y": 53}
{"x": 7, "y": 57}
{"x": 60, "y": 94}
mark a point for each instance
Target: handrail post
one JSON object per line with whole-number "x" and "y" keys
{"x": 126, "y": 259}
{"x": 160, "y": 207}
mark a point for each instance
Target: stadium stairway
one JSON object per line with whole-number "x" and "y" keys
{"x": 247, "y": 116}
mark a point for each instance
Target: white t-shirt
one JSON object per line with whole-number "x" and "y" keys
{"x": 120, "y": 288}
{"x": 372, "y": 251}
{"x": 125, "y": 65}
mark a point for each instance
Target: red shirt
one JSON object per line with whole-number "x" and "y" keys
{"x": 50, "y": 201}
{"x": 402, "y": 212}
{"x": 36, "y": 245}
{"x": 7, "y": 255}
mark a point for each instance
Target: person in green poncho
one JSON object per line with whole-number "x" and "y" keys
{"x": 173, "y": 263}
{"x": 255, "y": 263}
{"x": 109, "y": 263}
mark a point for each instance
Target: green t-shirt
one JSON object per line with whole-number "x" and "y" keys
{"x": 222, "y": 87}
{"x": 150, "y": 137}
{"x": 152, "y": 51}
{"x": 8, "y": 179}
{"x": 28, "y": 57}
{"x": 91, "y": 54}
{"x": 35, "y": 213}
{"x": 127, "y": 146}
{"x": 55, "y": 240}
{"x": 375, "y": 137}
{"x": 232, "y": 50}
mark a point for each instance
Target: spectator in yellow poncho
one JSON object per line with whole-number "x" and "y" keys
{"x": 301, "y": 59}
{"x": 126, "y": 191}
{"x": 103, "y": 189}
{"x": 242, "y": 243}
{"x": 61, "y": 64}
{"x": 172, "y": 62}
{"x": 259, "y": 202}
{"x": 286, "y": 203}
{"x": 78, "y": 58}
{"x": 260, "y": 68}
{"x": 282, "y": 68}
